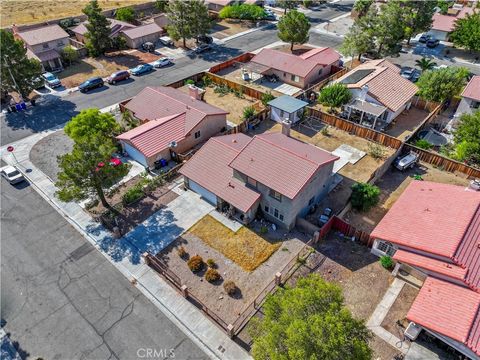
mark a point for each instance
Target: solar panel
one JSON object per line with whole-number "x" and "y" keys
{"x": 357, "y": 76}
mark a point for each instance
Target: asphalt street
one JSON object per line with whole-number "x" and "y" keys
{"x": 61, "y": 299}
{"x": 52, "y": 111}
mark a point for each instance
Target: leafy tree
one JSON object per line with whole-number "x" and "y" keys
{"x": 179, "y": 21}
{"x": 334, "y": 95}
{"x": 417, "y": 16}
{"x": 425, "y": 64}
{"x": 389, "y": 29}
{"x": 98, "y": 29}
{"x": 69, "y": 54}
{"x": 293, "y": 28}
{"x": 467, "y": 32}
{"x": 361, "y": 7}
{"x": 309, "y": 321}
{"x": 161, "y": 5}
{"x": 467, "y": 138}
{"x": 86, "y": 170}
{"x": 444, "y": 5}
{"x": 125, "y": 14}
{"x": 364, "y": 196}
{"x": 287, "y": 5}
{"x": 16, "y": 65}
{"x": 357, "y": 41}
{"x": 423, "y": 144}
{"x": 440, "y": 85}
{"x": 242, "y": 12}
{"x": 266, "y": 98}
{"x": 201, "y": 22}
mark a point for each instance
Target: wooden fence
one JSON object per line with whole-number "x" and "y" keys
{"x": 180, "y": 83}
{"x": 351, "y": 231}
{"x": 356, "y": 129}
{"x": 246, "y": 57}
{"x": 318, "y": 86}
{"x": 422, "y": 104}
{"x": 443, "y": 162}
{"x": 247, "y": 90}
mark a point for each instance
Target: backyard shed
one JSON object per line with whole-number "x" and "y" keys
{"x": 287, "y": 108}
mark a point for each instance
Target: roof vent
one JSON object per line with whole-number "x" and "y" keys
{"x": 251, "y": 159}
{"x": 234, "y": 141}
{"x": 231, "y": 185}
{"x": 427, "y": 210}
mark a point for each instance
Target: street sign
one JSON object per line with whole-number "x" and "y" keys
{"x": 10, "y": 149}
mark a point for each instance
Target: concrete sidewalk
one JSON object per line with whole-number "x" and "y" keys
{"x": 211, "y": 339}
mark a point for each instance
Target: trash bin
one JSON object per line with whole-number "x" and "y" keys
{"x": 32, "y": 102}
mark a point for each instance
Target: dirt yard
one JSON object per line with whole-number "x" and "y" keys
{"x": 249, "y": 283}
{"x": 224, "y": 28}
{"x": 395, "y": 322}
{"x": 392, "y": 185}
{"x": 34, "y": 11}
{"x": 229, "y": 102}
{"x": 406, "y": 123}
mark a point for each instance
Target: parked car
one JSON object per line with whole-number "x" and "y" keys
{"x": 424, "y": 38}
{"x": 92, "y": 83}
{"x": 406, "y": 161}
{"x": 118, "y": 76}
{"x": 164, "y": 61}
{"x": 323, "y": 219}
{"x": 407, "y": 72}
{"x": 206, "y": 39}
{"x": 148, "y": 46}
{"x": 475, "y": 184}
{"x": 270, "y": 15}
{"x": 166, "y": 40}
{"x": 416, "y": 75}
{"x": 11, "y": 174}
{"x": 51, "y": 80}
{"x": 141, "y": 69}
{"x": 202, "y": 48}
{"x": 433, "y": 43}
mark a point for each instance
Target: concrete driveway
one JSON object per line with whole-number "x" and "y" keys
{"x": 159, "y": 230}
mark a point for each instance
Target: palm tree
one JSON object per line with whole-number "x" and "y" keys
{"x": 426, "y": 64}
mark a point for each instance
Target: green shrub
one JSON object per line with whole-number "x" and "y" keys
{"x": 211, "y": 263}
{"x": 324, "y": 131}
{"x": 189, "y": 82}
{"x": 222, "y": 90}
{"x": 386, "y": 262}
{"x": 182, "y": 252}
{"x": 423, "y": 144}
{"x": 263, "y": 230}
{"x": 364, "y": 196}
{"x": 266, "y": 98}
{"x": 133, "y": 194}
{"x": 195, "y": 263}
{"x": 206, "y": 81}
{"x": 376, "y": 151}
{"x": 230, "y": 287}
{"x": 242, "y": 12}
{"x": 248, "y": 112}
{"x": 212, "y": 275}
{"x": 334, "y": 95}
{"x": 125, "y": 14}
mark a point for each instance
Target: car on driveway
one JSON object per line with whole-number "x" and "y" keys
{"x": 270, "y": 15}
{"x": 90, "y": 84}
{"x": 11, "y": 174}
{"x": 51, "y": 80}
{"x": 202, "y": 48}
{"x": 424, "y": 38}
{"x": 164, "y": 61}
{"x": 166, "y": 40}
{"x": 118, "y": 76}
{"x": 432, "y": 43}
{"x": 416, "y": 75}
{"x": 141, "y": 69}
{"x": 207, "y": 39}
{"x": 407, "y": 72}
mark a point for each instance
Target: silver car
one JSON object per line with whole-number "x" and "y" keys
{"x": 11, "y": 174}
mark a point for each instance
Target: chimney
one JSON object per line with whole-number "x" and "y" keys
{"x": 195, "y": 92}
{"x": 286, "y": 125}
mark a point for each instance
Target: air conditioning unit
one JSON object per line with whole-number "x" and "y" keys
{"x": 412, "y": 331}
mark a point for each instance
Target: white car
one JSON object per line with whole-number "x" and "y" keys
{"x": 12, "y": 175}
{"x": 162, "y": 62}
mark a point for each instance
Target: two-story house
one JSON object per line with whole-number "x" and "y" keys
{"x": 44, "y": 44}
{"x": 470, "y": 101}
{"x": 172, "y": 122}
{"x": 273, "y": 173}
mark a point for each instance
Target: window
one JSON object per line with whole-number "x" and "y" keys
{"x": 475, "y": 105}
{"x": 45, "y": 46}
{"x": 267, "y": 209}
{"x": 295, "y": 78}
{"x": 282, "y": 113}
{"x": 275, "y": 194}
{"x": 60, "y": 43}
{"x": 252, "y": 182}
{"x": 281, "y": 217}
{"x": 275, "y": 213}
{"x": 197, "y": 134}
{"x": 311, "y": 201}
{"x": 385, "y": 247}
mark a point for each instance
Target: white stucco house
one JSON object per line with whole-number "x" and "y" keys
{"x": 286, "y": 108}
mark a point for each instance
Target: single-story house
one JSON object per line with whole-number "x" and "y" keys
{"x": 217, "y": 5}
{"x": 274, "y": 172}
{"x": 116, "y": 27}
{"x": 44, "y": 44}
{"x": 301, "y": 71}
{"x": 379, "y": 93}
{"x": 470, "y": 101}
{"x": 173, "y": 122}
{"x": 443, "y": 25}
{"x": 139, "y": 35}
{"x": 433, "y": 232}
{"x": 286, "y": 108}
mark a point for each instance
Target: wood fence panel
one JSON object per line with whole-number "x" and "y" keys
{"x": 247, "y": 90}
{"x": 246, "y": 57}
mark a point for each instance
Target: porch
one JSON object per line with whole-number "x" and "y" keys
{"x": 366, "y": 113}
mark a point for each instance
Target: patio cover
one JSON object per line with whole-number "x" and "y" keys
{"x": 288, "y": 103}
{"x": 254, "y": 67}
{"x": 368, "y": 107}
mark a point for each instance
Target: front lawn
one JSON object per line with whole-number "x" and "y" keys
{"x": 244, "y": 247}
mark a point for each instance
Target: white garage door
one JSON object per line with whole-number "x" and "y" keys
{"x": 207, "y": 195}
{"x": 135, "y": 154}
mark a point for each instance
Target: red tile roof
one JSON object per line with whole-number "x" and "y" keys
{"x": 448, "y": 309}
{"x": 447, "y": 22}
{"x": 158, "y": 102}
{"x": 430, "y": 264}
{"x": 156, "y": 135}
{"x": 142, "y": 30}
{"x": 324, "y": 56}
{"x": 430, "y": 217}
{"x": 385, "y": 84}
{"x": 293, "y": 64}
{"x": 209, "y": 168}
{"x": 43, "y": 34}
{"x": 280, "y": 162}
{"x": 472, "y": 90}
